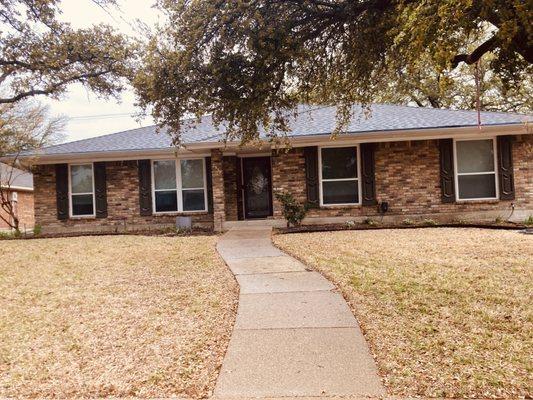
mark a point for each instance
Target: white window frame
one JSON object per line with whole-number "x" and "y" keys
{"x": 179, "y": 189}
{"x": 357, "y": 178}
{"x": 457, "y": 174}
{"x": 70, "y": 194}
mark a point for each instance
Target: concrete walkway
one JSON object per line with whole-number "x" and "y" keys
{"x": 294, "y": 335}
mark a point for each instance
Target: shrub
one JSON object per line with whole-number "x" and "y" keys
{"x": 6, "y": 235}
{"x": 293, "y": 211}
{"x": 369, "y": 221}
{"x": 529, "y": 220}
{"x": 408, "y": 221}
{"x": 37, "y": 229}
{"x": 430, "y": 222}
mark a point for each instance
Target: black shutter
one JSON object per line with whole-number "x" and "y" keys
{"x": 238, "y": 167}
{"x": 62, "y": 191}
{"x": 145, "y": 187}
{"x": 209, "y": 177}
{"x": 368, "y": 173}
{"x": 311, "y": 175}
{"x": 505, "y": 167}
{"x": 100, "y": 187}
{"x": 446, "y": 171}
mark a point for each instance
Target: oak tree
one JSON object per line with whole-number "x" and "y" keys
{"x": 41, "y": 55}
{"x": 249, "y": 62}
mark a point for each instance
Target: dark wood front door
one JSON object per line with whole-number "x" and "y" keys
{"x": 257, "y": 187}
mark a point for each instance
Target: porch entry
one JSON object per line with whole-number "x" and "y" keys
{"x": 256, "y": 187}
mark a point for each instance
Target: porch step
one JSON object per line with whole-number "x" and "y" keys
{"x": 276, "y": 223}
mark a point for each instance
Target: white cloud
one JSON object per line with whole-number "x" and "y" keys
{"x": 91, "y": 116}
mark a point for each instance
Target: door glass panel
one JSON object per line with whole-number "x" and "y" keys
{"x": 257, "y": 187}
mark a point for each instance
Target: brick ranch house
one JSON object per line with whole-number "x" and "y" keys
{"x": 17, "y": 188}
{"x": 424, "y": 163}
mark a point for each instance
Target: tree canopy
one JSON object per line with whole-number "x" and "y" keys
{"x": 40, "y": 55}
{"x": 249, "y": 62}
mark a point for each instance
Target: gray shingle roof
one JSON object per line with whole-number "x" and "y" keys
{"x": 311, "y": 120}
{"x": 14, "y": 177}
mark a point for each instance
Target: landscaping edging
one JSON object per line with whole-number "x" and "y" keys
{"x": 356, "y": 227}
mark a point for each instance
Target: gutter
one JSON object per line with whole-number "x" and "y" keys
{"x": 17, "y": 188}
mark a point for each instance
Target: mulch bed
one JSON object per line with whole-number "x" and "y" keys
{"x": 365, "y": 226}
{"x": 146, "y": 232}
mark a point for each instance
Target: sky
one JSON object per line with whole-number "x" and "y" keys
{"x": 89, "y": 116}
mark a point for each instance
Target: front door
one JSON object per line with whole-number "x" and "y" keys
{"x": 257, "y": 187}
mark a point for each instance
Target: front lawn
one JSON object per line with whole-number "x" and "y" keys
{"x": 447, "y": 312}
{"x": 113, "y": 316}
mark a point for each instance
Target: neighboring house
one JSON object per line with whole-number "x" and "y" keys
{"x": 425, "y": 163}
{"x": 17, "y": 188}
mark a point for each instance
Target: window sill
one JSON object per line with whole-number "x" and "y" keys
{"x": 76, "y": 217}
{"x": 478, "y": 201}
{"x": 179, "y": 213}
{"x": 339, "y": 206}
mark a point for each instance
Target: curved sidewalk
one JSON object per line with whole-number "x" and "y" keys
{"x": 294, "y": 334}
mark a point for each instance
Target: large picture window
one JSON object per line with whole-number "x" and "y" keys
{"x": 81, "y": 190}
{"x": 339, "y": 176}
{"x": 179, "y": 185}
{"x": 475, "y": 169}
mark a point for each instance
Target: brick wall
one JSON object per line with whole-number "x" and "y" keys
{"x": 219, "y": 198}
{"x": 122, "y": 203}
{"x": 288, "y": 175}
{"x": 230, "y": 187}
{"x": 23, "y": 209}
{"x": 407, "y": 176}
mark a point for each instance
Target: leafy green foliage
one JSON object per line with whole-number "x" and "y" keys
{"x": 529, "y": 220}
{"x": 249, "y": 63}
{"x": 37, "y": 230}
{"x": 293, "y": 211}
{"x": 40, "y": 55}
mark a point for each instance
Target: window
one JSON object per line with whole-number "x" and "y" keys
{"x": 179, "y": 185}
{"x": 476, "y": 172}
{"x": 339, "y": 180}
{"x": 81, "y": 190}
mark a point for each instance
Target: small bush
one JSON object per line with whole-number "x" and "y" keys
{"x": 6, "y": 235}
{"x": 370, "y": 221}
{"x": 351, "y": 224}
{"x": 293, "y": 211}
{"x": 430, "y": 222}
{"x": 529, "y": 220}
{"x": 37, "y": 230}
{"x": 408, "y": 221}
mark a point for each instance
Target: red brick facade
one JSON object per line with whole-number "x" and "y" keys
{"x": 407, "y": 177}
{"x": 23, "y": 209}
{"x": 122, "y": 203}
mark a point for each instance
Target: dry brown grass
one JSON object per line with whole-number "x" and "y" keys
{"x": 448, "y": 312}
{"x": 113, "y": 316}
